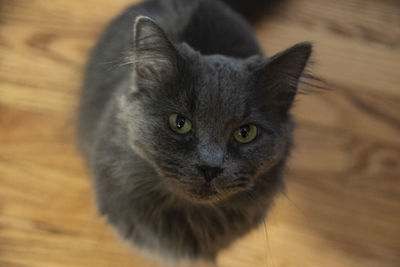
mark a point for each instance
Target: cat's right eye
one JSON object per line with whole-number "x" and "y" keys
{"x": 179, "y": 124}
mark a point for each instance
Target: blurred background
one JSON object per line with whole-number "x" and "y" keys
{"x": 342, "y": 205}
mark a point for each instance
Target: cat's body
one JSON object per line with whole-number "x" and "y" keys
{"x": 146, "y": 176}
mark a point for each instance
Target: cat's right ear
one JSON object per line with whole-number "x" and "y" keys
{"x": 155, "y": 57}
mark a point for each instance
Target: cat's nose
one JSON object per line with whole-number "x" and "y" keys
{"x": 209, "y": 172}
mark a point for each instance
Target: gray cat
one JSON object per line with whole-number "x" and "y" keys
{"x": 185, "y": 125}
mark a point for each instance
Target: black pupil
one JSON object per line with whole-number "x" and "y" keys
{"x": 244, "y": 131}
{"x": 180, "y": 121}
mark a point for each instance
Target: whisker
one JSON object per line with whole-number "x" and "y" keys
{"x": 297, "y": 207}
{"x": 265, "y": 242}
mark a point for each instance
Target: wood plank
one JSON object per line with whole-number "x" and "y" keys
{"x": 342, "y": 204}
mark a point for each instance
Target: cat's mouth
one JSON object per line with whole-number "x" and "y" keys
{"x": 208, "y": 192}
{"x": 204, "y": 193}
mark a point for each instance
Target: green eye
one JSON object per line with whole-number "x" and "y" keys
{"x": 179, "y": 124}
{"x": 246, "y": 133}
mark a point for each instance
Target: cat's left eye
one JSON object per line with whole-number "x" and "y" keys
{"x": 179, "y": 124}
{"x": 246, "y": 133}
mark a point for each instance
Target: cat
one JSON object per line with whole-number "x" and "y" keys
{"x": 186, "y": 126}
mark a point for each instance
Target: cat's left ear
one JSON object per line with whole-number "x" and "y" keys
{"x": 155, "y": 56}
{"x": 278, "y": 78}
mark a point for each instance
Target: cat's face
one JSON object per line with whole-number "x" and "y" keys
{"x": 210, "y": 125}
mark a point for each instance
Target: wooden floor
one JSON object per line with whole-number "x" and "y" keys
{"x": 342, "y": 206}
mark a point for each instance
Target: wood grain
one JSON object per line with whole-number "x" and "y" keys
{"x": 342, "y": 204}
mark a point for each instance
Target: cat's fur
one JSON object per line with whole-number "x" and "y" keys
{"x": 201, "y": 61}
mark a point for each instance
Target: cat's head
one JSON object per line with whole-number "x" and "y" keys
{"x": 210, "y": 125}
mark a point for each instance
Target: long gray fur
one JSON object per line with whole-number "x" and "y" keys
{"x": 198, "y": 58}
